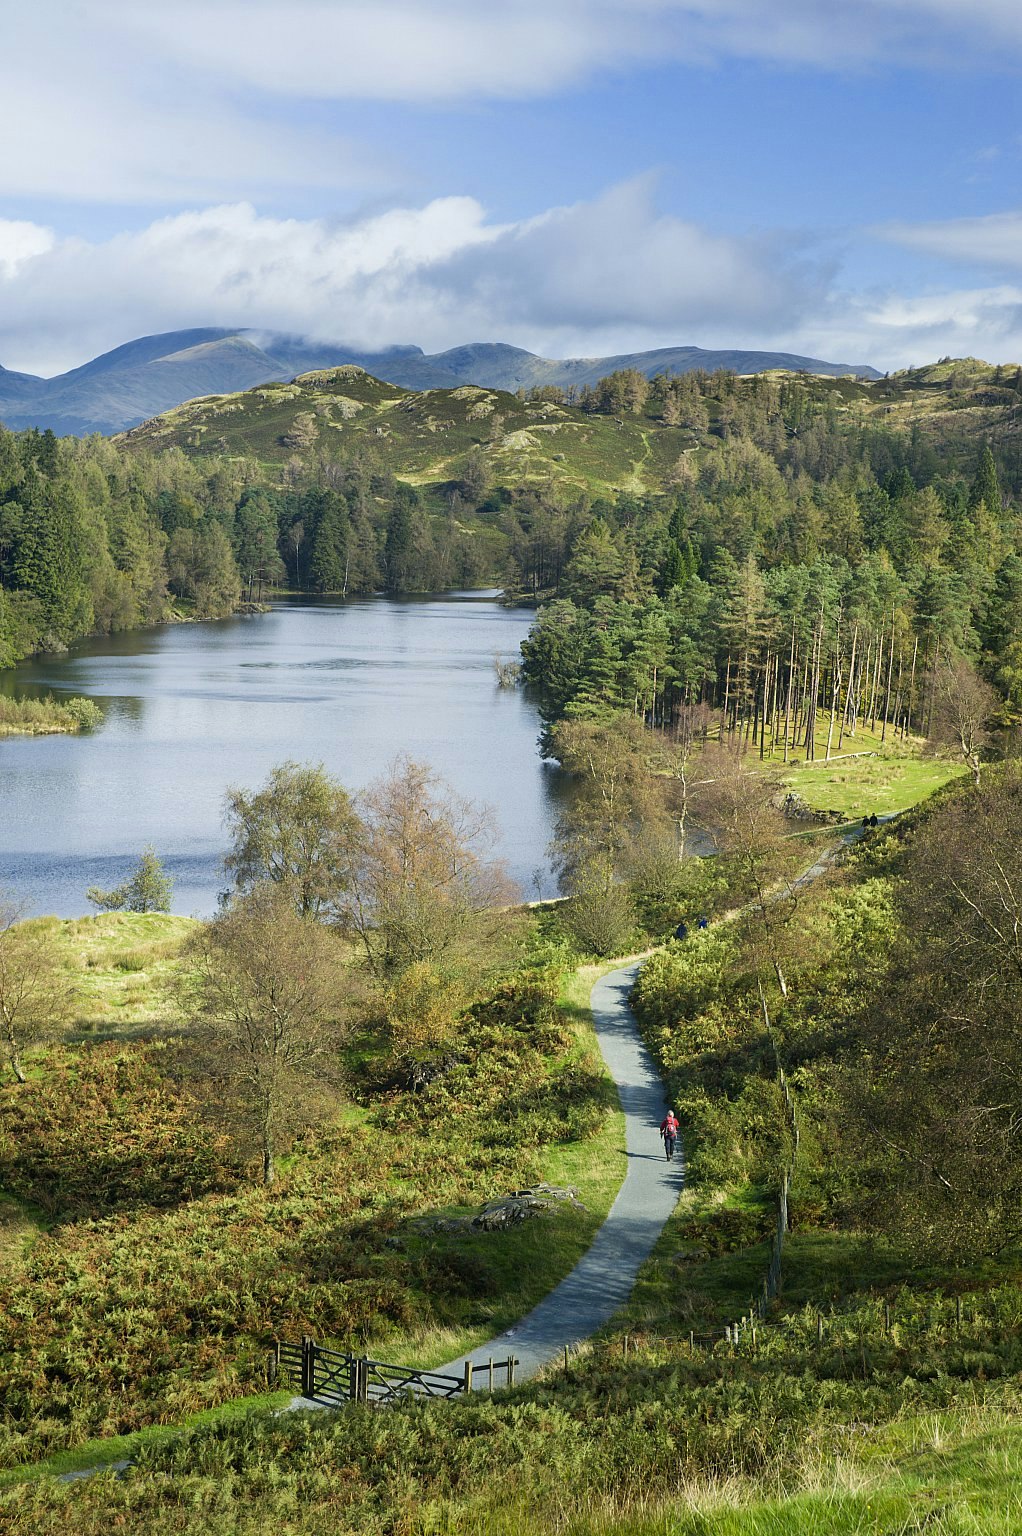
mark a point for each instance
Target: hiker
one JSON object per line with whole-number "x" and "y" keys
{"x": 704, "y": 921}
{"x": 670, "y": 1130}
{"x": 681, "y": 932}
{"x": 873, "y": 820}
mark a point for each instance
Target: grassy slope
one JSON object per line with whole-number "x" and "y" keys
{"x": 893, "y": 777}
{"x": 424, "y": 437}
{"x": 128, "y": 964}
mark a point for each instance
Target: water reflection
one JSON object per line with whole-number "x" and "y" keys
{"x": 193, "y": 708}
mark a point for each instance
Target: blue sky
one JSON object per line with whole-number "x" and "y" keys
{"x": 834, "y": 177}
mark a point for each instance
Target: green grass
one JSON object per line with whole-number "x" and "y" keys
{"x": 123, "y": 966}
{"x": 885, "y": 784}
{"x": 424, "y": 437}
{"x": 285, "y": 1261}
{"x": 869, "y": 774}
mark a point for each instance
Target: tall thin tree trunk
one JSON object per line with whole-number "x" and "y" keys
{"x": 912, "y": 686}
{"x": 787, "y": 702}
{"x": 848, "y": 688}
{"x": 875, "y": 689}
{"x": 890, "y": 670}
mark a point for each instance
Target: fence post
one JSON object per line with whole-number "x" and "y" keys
{"x": 491, "y": 1373}
{"x": 512, "y": 1362}
{"x": 468, "y": 1375}
{"x": 308, "y": 1367}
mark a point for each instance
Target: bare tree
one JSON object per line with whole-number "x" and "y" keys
{"x": 424, "y": 886}
{"x": 270, "y": 988}
{"x": 678, "y": 757}
{"x": 737, "y": 805}
{"x": 962, "y": 708}
{"x": 36, "y": 994}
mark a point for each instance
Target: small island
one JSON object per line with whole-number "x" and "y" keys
{"x": 48, "y": 717}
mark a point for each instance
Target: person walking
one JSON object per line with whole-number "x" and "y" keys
{"x": 670, "y": 1130}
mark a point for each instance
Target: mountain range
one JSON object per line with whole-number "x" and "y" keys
{"x": 156, "y": 373}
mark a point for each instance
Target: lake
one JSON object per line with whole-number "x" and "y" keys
{"x": 193, "y": 708}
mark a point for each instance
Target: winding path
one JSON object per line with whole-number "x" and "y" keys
{"x": 603, "y": 1278}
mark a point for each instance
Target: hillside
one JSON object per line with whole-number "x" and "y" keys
{"x": 423, "y": 437}
{"x": 155, "y": 373}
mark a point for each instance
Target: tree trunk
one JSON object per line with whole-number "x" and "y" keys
{"x": 848, "y": 689}
{"x": 890, "y": 670}
{"x": 787, "y": 702}
{"x": 912, "y": 687}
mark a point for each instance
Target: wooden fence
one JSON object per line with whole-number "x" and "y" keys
{"x": 333, "y": 1377}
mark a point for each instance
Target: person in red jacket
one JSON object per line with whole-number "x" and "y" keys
{"x": 670, "y": 1130}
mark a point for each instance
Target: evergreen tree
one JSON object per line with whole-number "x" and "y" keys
{"x": 984, "y": 487}
{"x": 328, "y": 562}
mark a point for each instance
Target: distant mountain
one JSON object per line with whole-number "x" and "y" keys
{"x": 156, "y": 373}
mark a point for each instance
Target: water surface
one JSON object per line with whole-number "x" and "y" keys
{"x": 193, "y": 708}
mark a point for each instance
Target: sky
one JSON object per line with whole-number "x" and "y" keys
{"x": 837, "y": 178}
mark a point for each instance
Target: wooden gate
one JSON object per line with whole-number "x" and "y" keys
{"x": 334, "y": 1377}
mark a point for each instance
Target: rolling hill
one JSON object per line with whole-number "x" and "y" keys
{"x": 425, "y": 437}
{"x": 154, "y": 374}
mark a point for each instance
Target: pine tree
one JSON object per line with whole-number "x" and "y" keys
{"x": 984, "y": 487}
{"x": 328, "y": 563}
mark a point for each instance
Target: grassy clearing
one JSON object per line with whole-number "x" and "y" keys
{"x": 123, "y": 965}
{"x": 894, "y": 779}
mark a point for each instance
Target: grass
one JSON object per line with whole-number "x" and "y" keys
{"x": 424, "y": 437}
{"x": 123, "y": 966}
{"x": 869, "y": 775}
{"x": 288, "y": 1261}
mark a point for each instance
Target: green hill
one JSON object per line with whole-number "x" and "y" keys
{"x": 425, "y": 437}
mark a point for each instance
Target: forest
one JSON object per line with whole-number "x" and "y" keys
{"x": 813, "y": 545}
{"x": 93, "y": 540}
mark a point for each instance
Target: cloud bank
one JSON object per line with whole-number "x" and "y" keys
{"x": 611, "y": 274}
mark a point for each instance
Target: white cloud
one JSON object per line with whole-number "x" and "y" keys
{"x": 599, "y": 277}
{"x": 894, "y": 330}
{"x": 91, "y": 111}
{"x": 994, "y": 240}
{"x": 439, "y": 50}
{"x": 20, "y": 242}
{"x": 611, "y": 272}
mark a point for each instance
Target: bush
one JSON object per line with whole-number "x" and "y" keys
{"x": 84, "y": 714}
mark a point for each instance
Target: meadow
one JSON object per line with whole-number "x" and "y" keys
{"x": 144, "y": 1275}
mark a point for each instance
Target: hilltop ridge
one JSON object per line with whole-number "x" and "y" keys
{"x": 142, "y": 378}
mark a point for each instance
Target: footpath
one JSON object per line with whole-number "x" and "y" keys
{"x": 602, "y": 1280}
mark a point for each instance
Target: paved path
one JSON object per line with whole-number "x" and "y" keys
{"x": 602, "y": 1280}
